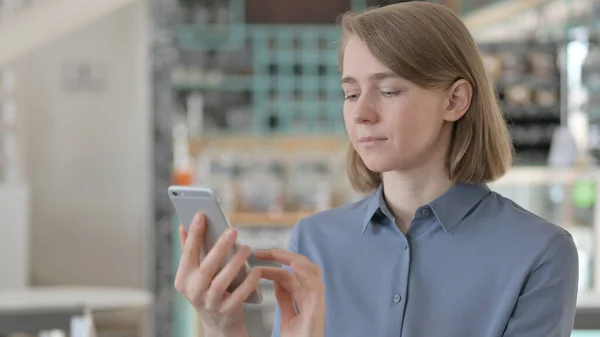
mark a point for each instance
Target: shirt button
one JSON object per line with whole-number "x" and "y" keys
{"x": 404, "y": 245}
{"x": 397, "y": 298}
{"x": 426, "y": 212}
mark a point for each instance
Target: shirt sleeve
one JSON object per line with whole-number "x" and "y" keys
{"x": 546, "y": 305}
{"x": 292, "y": 247}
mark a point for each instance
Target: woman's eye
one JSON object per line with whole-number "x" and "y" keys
{"x": 351, "y": 97}
{"x": 388, "y": 93}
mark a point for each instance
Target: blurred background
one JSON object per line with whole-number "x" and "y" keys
{"x": 104, "y": 104}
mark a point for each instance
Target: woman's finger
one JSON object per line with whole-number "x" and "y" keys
{"x": 221, "y": 282}
{"x": 231, "y": 269}
{"x": 264, "y": 255}
{"x": 285, "y": 299}
{"x": 182, "y": 235}
{"x": 213, "y": 260}
{"x": 241, "y": 293}
{"x": 285, "y": 285}
{"x": 306, "y": 271}
{"x": 190, "y": 258}
{"x": 287, "y": 258}
{"x": 277, "y": 255}
{"x": 281, "y": 276}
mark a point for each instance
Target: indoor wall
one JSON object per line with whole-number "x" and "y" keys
{"x": 86, "y": 135}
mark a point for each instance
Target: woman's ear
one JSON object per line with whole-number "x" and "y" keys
{"x": 459, "y": 100}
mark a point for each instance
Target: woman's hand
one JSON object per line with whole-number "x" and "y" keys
{"x": 303, "y": 287}
{"x": 205, "y": 286}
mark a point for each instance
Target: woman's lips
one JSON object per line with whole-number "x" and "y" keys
{"x": 371, "y": 141}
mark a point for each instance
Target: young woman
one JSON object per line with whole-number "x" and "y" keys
{"x": 431, "y": 251}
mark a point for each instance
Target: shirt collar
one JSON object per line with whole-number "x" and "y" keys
{"x": 375, "y": 204}
{"x": 450, "y": 208}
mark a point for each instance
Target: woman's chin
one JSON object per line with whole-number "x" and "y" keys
{"x": 378, "y": 166}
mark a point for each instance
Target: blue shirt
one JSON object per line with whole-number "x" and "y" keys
{"x": 472, "y": 264}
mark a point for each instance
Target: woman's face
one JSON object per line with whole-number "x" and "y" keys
{"x": 393, "y": 124}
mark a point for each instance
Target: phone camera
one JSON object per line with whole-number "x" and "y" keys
{"x": 175, "y": 193}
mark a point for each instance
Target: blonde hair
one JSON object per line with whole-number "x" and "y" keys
{"x": 430, "y": 46}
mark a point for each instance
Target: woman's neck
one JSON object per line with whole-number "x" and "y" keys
{"x": 406, "y": 191}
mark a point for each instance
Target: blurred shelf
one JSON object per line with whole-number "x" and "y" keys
{"x": 220, "y": 83}
{"x": 41, "y": 22}
{"x": 498, "y": 11}
{"x": 517, "y": 175}
{"x": 314, "y": 143}
{"x": 512, "y": 19}
{"x": 54, "y": 298}
{"x": 233, "y": 36}
{"x": 250, "y": 219}
{"x": 542, "y": 175}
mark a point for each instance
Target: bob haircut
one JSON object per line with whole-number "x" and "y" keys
{"x": 430, "y": 46}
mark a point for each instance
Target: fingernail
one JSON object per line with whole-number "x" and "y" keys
{"x": 229, "y": 235}
{"x": 196, "y": 218}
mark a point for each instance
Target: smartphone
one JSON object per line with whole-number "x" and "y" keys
{"x": 188, "y": 201}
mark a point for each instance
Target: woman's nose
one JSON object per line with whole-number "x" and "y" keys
{"x": 365, "y": 112}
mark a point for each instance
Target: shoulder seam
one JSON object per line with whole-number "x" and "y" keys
{"x": 537, "y": 263}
